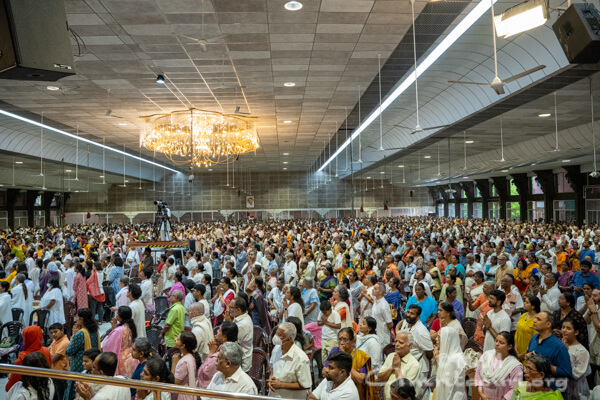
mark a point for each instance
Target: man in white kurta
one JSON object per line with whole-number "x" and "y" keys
{"x": 382, "y": 314}
{"x": 230, "y": 376}
{"x": 245, "y": 326}
{"x": 201, "y": 328}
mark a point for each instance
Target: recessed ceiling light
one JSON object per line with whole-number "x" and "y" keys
{"x": 126, "y": 181}
{"x": 68, "y": 170}
{"x": 504, "y": 170}
{"x": 210, "y": 169}
{"x": 284, "y": 168}
{"x": 382, "y": 172}
{"x": 289, "y": 84}
{"x": 293, "y": 5}
{"x": 77, "y": 191}
{"x": 468, "y": 141}
{"x": 286, "y": 154}
{"x": 18, "y": 162}
{"x": 427, "y": 157}
{"x": 101, "y": 176}
{"x": 544, "y": 115}
{"x": 52, "y": 88}
{"x": 532, "y": 164}
{"x": 400, "y": 166}
{"x": 287, "y": 122}
{"x": 285, "y": 162}
{"x": 368, "y": 177}
{"x": 566, "y": 160}
{"x": 122, "y": 123}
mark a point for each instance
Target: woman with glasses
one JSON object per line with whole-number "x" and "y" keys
{"x": 538, "y": 376}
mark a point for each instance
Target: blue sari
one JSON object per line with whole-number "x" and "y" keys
{"x": 395, "y": 299}
{"x": 328, "y": 283}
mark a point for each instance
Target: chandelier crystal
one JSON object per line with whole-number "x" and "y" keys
{"x": 202, "y": 138}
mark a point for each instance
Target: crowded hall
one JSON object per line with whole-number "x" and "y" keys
{"x": 299, "y": 199}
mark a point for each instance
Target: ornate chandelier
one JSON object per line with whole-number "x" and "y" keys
{"x": 202, "y": 138}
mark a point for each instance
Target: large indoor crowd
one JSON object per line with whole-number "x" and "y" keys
{"x": 398, "y": 308}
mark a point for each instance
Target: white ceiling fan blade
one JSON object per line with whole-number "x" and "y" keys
{"x": 204, "y": 48}
{"x": 428, "y": 129}
{"x": 216, "y": 38}
{"x": 191, "y": 38}
{"x": 524, "y": 73}
{"x": 469, "y": 83}
{"x": 115, "y": 116}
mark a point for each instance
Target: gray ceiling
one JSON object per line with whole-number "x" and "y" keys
{"x": 330, "y": 50}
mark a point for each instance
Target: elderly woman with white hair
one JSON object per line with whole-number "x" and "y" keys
{"x": 340, "y": 299}
{"x": 290, "y": 377}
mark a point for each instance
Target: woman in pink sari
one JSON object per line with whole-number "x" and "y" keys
{"x": 178, "y": 285}
{"x": 120, "y": 341}
{"x": 79, "y": 288}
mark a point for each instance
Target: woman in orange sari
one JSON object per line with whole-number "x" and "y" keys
{"x": 361, "y": 373}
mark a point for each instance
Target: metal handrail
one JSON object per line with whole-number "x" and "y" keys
{"x": 155, "y": 387}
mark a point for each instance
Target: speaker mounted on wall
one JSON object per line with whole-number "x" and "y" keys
{"x": 35, "y": 42}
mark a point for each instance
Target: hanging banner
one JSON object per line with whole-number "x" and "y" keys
{"x": 249, "y": 201}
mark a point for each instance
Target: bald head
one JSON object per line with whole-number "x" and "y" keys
{"x": 197, "y": 309}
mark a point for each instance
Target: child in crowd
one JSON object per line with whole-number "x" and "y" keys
{"x": 60, "y": 360}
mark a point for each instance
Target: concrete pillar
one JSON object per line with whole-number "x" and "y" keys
{"x": 577, "y": 180}
{"x": 548, "y": 184}
{"x": 501, "y": 185}
{"x": 522, "y": 183}
{"x": 484, "y": 189}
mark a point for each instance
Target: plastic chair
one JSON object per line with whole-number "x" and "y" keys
{"x": 153, "y": 335}
{"x": 42, "y": 321}
{"x": 389, "y": 349}
{"x": 150, "y": 315}
{"x": 259, "y": 372}
{"x": 436, "y": 294}
{"x": 70, "y": 310}
{"x": 136, "y": 280}
{"x": 260, "y": 337}
{"x": 470, "y": 326}
{"x": 161, "y": 303}
{"x": 168, "y": 357}
{"x": 11, "y": 329}
{"x": 17, "y": 314}
{"x": 471, "y": 344}
{"x": 316, "y": 367}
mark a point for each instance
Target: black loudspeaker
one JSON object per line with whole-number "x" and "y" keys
{"x": 577, "y": 31}
{"x": 411, "y": 193}
{"x": 35, "y": 41}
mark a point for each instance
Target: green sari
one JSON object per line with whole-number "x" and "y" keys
{"x": 521, "y": 392}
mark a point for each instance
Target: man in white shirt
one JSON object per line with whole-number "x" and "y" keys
{"x": 239, "y": 314}
{"x": 190, "y": 262}
{"x": 69, "y": 279}
{"x": 338, "y": 384}
{"x": 275, "y": 296}
{"x": 549, "y": 297}
{"x": 290, "y": 270}
{"x": 134, "y": 256}
{"x": 138, "y": 310}
{"x": 291, "y": 377}
{"x": 496, "y": 320}
{"x": 147, "y": 287}
{"x": 201, "y": 328}
{"x": 104, "y": 365}
{"x": 230, "y": 377}
{"x": 470, "y": 270}
{"x": 382, "y": 314}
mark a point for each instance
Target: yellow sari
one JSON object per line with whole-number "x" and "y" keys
{"x": 10, "y": 277}
{"x": 366, "y": 390}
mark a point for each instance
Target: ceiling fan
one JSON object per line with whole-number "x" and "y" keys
{"x": 203, "y": 42}
{"x": 498, "y": 84}
{"x": 222, "y": 85}
{"x": 237, "y": 111}
{"x": 109, "y": 112}
{"x": 502, "y": 159}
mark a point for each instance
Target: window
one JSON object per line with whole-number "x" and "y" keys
{"x": 494, "y": 210}
{"x": 536, "y": 188}
{"x": 513, "y": 188}
{"x": 535, "y": 210}
{"x": 3, "y": 219}
{"x": 463, "y": 194}
{"x": 440, "y": 210}
{"x": 451, "y": 210}
{"x": 493, "y": 191}
{"x": 38, "y": 201}
{"x": 513, "y": 211}
{"x": 464, "y": 210}
{"x": 562, "y": 184}
{"x": 20, "y": 219}
{"x": 39, "y": 218}
{"x": 564, "y": 210}
{"x": 592, "y": 211}
{"x": 477, "y": 210}
{"x": 477, "y": 192}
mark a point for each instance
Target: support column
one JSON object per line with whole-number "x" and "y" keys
{"x": 484, "y": 189}
{"x": 501, "y": 185}
{"x": 11, "y": 197}
{"x": 548, "y": 184}
{"x": 522, "y": 184}
{"x": 469, "y": 189}
{"x": 31, "y": 195}
{"x": 47, "y": 198}
{"x": 457, "y": 199}
{"x": 577, "y": 181}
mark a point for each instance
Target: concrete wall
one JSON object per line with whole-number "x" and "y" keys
{"x": 271, "y": 190}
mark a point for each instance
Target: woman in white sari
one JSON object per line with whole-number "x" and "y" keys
{"x": 22, "y": 298}
{"x": 451, "y": 367}
{"x": 498, "y": 371}
{"x": 340, "y": 299}
{"x": 5, "y": 300}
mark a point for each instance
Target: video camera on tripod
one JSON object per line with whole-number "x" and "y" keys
{"x": 162, "y": 220}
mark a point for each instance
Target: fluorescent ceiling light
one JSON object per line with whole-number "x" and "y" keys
{"x": 284, "y": 168}
{"x": 293, "y": 5}
{"x": 544, "y": 115}
{"x": 521, "y": 18}
{"x": 18, "y": 162}
{"x": 427, "y": 157}
{"x": 122, "y": 123}
{"x": 504, "y": 170}
{"x": 382, "y": 172}
{"x": 468, "y": 141}
{"x": 449, "y": 40}
{"x": 68, "y": 170}
{"x": 286, "y": 154}
{"x": 52, "y": 88}
{"x": 101, "y": 176}
{"x": 566, "y": 160}
{"x": 400, "y": 166}
{"x": 285, "y": 162}
{"x": 289, "y": 84}
{"x": 368, "y": 177}
{"x": 287, "y": 122}
{"x": 82, "y": 139}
